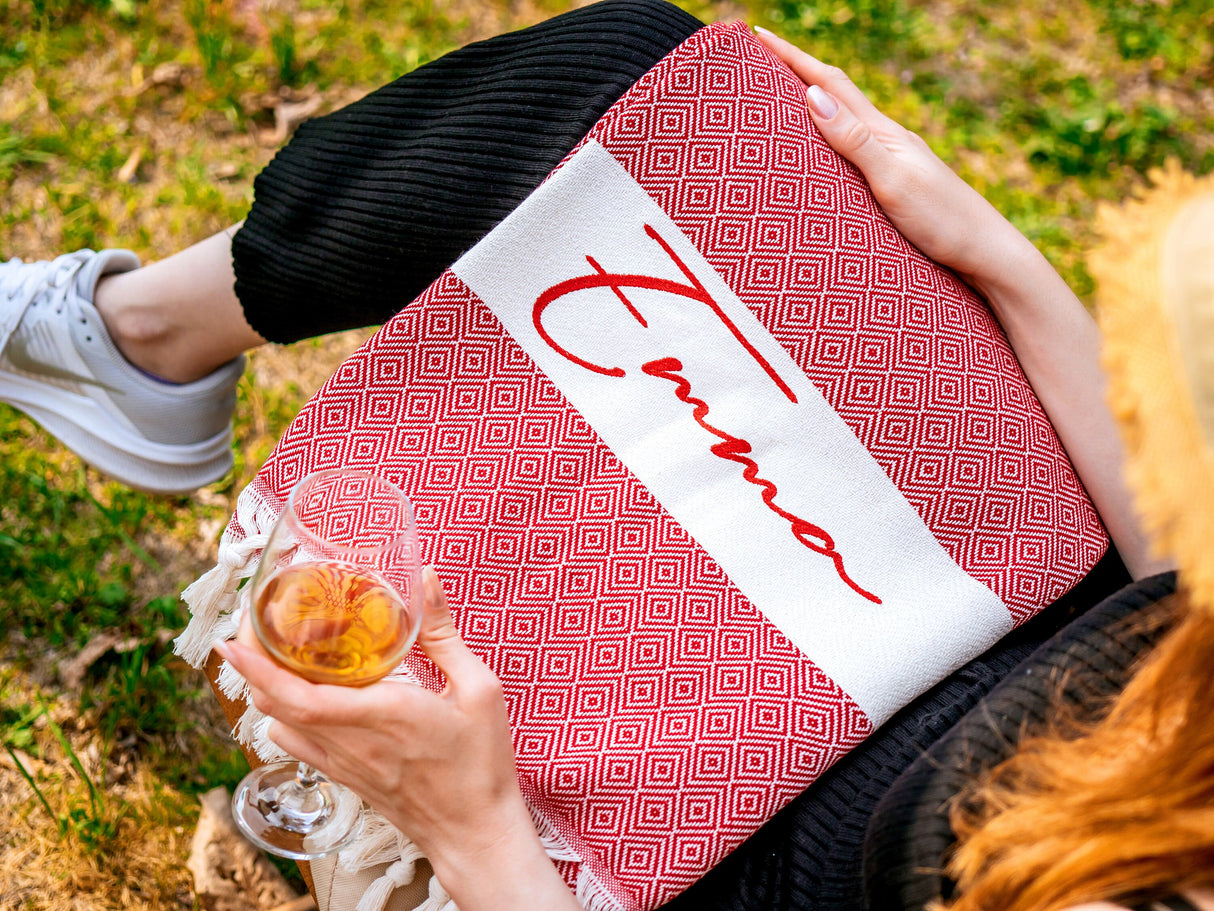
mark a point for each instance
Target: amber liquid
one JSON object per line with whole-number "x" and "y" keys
{"x": 333, "y": 622}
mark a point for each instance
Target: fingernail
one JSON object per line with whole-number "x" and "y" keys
{"x": 223, "y": 650}
{"x": 763, "y": 31}
{"x": 822, "y": 102}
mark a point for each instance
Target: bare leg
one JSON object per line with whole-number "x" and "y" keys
{"x": 179, "y": 318}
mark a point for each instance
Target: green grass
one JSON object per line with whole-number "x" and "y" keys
{"x": 95, "y": 818}
{"x": 1046, "y": 116}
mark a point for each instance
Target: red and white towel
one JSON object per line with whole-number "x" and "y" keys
{"x": 718, "y": 470}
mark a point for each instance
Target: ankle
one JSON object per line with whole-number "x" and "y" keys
{"x": 174, "y": 320}
{"x": 142, "y": 331}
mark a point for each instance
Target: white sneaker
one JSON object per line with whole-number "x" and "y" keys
{"x": 59, "y": 365}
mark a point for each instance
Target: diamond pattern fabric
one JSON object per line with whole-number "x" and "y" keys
{"x": 659, "y": 716}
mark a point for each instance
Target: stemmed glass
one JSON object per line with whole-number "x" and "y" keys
{"x": 336, "y": 598}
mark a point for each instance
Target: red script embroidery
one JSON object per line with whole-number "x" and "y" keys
{"x": 734, "y": 449}
{"x": 617, "y": 282}
{"x": 731, "y": 448}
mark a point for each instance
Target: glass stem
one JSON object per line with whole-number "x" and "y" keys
{"x": 302, "y": 800}
{"x": 306, "y": 776}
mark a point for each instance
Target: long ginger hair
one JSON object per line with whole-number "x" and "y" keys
{"x": 1120, "y": 808}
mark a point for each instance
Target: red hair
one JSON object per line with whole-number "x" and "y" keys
{"x": 1117, "y": 808}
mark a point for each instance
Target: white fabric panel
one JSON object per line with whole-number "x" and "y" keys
{"x": 932, "y": 616}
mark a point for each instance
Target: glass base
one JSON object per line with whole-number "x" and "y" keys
{"x": 300, "y": 818}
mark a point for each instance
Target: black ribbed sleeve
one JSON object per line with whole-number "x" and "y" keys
{"x": 909, "y": 836}
{"x": 367, "y": 205}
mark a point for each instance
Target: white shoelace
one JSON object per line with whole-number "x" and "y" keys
{"x": 23, "y": 285}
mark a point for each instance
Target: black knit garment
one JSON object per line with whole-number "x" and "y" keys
{"x": 809, "y": 856}
{"x": 368, "y": 205}
{"x": 1086, "y": 664}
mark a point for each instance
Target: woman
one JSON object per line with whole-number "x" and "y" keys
{"x": 455, "y": 805}
{"x": 439, "y": 766}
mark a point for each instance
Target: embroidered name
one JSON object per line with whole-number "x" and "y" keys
{"x": 616, "y": 282}
{"x": 731, "y": 448}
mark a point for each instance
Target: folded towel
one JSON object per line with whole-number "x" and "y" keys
{"x": 719, "y": 472}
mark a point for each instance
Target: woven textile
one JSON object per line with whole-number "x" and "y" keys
{"x": 718, "y": 470}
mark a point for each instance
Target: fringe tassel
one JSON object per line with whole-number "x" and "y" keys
{"x": 555, "y": 846}
{"x": 377, "y": 894}
{"x": 398, "y": 874}
{"x": 229, "y": 624}
{"x": 214, "y": 595}
{"x": 231, "y": 684}
{"x": 438, "y": 900}
{"x": 380, "y": 842}
{"x": 592, "y": 895}
{"x": 251, "y": 731}
{"x": 206, "y": 598}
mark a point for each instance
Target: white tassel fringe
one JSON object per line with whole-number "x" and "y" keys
{"x": 398, "y": 874}
{"x": 592, "y": 894}
{"x": 212, "y": 598}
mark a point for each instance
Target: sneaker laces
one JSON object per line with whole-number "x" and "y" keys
{"x": 29, "y": 284}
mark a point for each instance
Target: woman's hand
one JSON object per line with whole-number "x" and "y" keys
{"x": 1053, "y": 336}
{"x": 927, "y": 202}
{"x": 439, "y": 766}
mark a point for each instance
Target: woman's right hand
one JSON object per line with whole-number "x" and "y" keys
{"x": 439, "y": 766}
{"x": 925, "y": 200}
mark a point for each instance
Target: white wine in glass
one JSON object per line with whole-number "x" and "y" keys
{"x": 336, "y": 599}
{"x": 332, "y": 622}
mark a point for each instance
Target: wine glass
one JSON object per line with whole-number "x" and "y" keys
{"x": 336, "y": 598}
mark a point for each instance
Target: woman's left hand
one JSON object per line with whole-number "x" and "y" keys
{"x": 439, "y": 766}
{"x": 1053, "y": 336}
{"x": 925, "y": 200}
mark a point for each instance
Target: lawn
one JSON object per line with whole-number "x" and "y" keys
{"x": 141, "y": 123}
